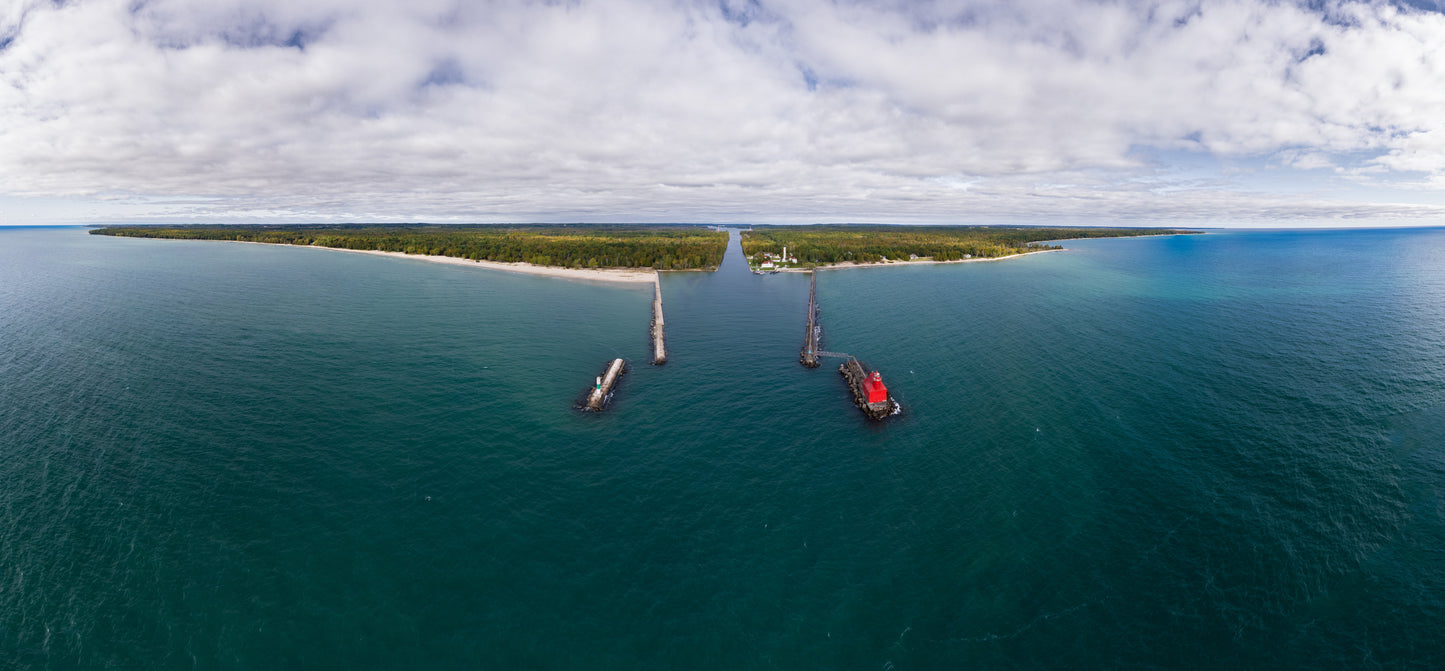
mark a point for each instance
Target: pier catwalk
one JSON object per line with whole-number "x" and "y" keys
{"x": 809, "y": 356}
{"x": 659, "y": 350}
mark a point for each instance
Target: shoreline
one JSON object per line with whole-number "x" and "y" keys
{"x": 886, "y": 264}
{"x": 615, "y": 275}
{"x": 919, "y": 262}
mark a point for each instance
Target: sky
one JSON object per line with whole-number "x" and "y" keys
{"x": 1206, "y": 113}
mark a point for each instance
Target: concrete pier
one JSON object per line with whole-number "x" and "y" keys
{"x": 659, "y": 349}
{"x": 809, "y": 356}
{"x": 605, "y": 383}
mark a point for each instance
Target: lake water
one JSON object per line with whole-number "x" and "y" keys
{"x": 1186, "y": 452}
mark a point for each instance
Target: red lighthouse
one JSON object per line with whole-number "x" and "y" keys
{"x": 873, "y": 387}
{"x": 868, "y": 391}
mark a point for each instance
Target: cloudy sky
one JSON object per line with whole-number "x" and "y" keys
{"x": 1200, "y": 112}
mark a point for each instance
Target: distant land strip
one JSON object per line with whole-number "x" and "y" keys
{"x": 656, "y": 247}
{"x": 580, "y": 246}
{"x": 853, "y": 244}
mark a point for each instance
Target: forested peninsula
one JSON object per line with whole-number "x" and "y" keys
{"x": 653, "y": 247}
{"x": 566, "y": 246}
{"x": 824, "y": 245}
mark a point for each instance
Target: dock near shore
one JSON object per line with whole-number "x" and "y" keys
{"x": 809, "y": 355}
{"x": 659, "y": 348}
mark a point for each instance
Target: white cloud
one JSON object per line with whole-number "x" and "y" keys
{"x": 793, "y": 110}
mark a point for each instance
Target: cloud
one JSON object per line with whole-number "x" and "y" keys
{"x": 789, "y": 110}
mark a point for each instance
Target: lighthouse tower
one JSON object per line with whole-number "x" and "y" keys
{"x": 873, "y": 387}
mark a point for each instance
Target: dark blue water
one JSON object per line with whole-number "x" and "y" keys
{"x": 1204, "y": 451}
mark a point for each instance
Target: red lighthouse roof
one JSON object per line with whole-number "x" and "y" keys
{"x": 873, "y": 387}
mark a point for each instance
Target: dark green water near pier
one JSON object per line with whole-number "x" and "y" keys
{"x": 1190, "y": 452}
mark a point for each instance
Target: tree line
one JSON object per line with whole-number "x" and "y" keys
{"x": 576, "y": 246}
{"x": 830, "y": 244}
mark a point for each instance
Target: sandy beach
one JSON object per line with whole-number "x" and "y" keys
{"x": 625, "y": 275}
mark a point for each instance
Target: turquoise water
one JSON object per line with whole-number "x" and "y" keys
{"x": 1203, "y": 451}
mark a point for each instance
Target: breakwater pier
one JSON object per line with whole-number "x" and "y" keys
{"x": 597, "y": 398}
{"x": 659, "y": 348}
{"x": 869, "y": 394}
{"x": 809, "y": 355}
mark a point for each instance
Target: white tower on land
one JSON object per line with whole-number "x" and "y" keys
{"x": 785, "y": 253}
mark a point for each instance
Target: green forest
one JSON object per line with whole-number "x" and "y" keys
{"x": 830, "y": 244}
{"x": 574, "y": 246}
